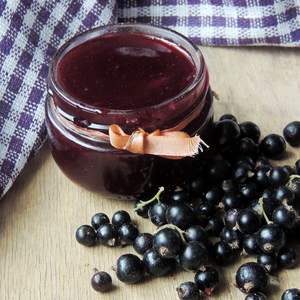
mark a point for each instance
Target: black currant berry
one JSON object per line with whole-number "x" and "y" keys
{"x": 228, "y": 117}
{"x": 196, "y": 233}
{"x": 181, "y": 215}
{"x": 278, "y": 176}
{"x": 250, "y": 130}
{"x": 127, "y": 233}
{"x": 270, "y": 238}
{"x": 207, "y": 279}
{"x": 222, "y": 253}
{"x": 101, "y": 282}
{"x": 297, "y": 167}
{"x": 261, "y": 175}
{"x": 142, "y": 211}
{"x": 157, "y": 213}
{"x": 251, "y": 247}
{"x": 248, "y": 147}
{"x": 292, "y": 170}
{"x": 227, "y": 133}
{"x": 262, "y": 160}
{"x": 129, "y": 268}
{"x": 269, "y": 207}
{"x": 213, "y": 194}
{"x": 255, "y": 205}
{"x": 206, "y": 210}
{"x": 143, "y": 243}
{"x": 287, "y": 258}
{"x": 249, "y": 190}
{"x": 284, "y": 195}
{"x": 284, "y": 216}
{"x": 181, "y": 196}
{"x": 197, "y": 184}
{"x": 233, "y": 237}
{"x": 232, "y": 200}
{"x": 256, "y": 296}
{"x": 251, "y": 277}
{"x": 107, "y": 235}
{"x": 99, "y": 219}
{"x": 244, "y": 159}
{"x": 291, "y": 133}
{"x": 291, "y": 294}
{"x": 242, "y": 172}
{"x": 217, "y": 168}
{"x": 294, "y": 184}
{"x": 267, "y": 193}
{"x": 273, "y": 146}
{"x": 85, "y": 235}
{"x": 119, "y": 218}
{"x": 167, "y": 242}
{"x": 228, "y": 186}
{"x": 155, "y": 264}
{"x": 214, "y": 225}
{"x": 248, "y": 221}
{"x": 230, "y": 217}
{"x": 193, "y": 256}
{"x": 188, "y": 291}
{"x": 269, "y": 261}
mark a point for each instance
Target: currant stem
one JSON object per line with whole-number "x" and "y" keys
{"x": 143, "y": 203}
{"x": 261, "y": 202}
{"x": 292, "y": 177}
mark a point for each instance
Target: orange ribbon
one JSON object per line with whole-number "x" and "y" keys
{"x": 170, "y": 143}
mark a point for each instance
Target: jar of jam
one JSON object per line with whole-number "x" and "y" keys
{"x": 140, "y": 78}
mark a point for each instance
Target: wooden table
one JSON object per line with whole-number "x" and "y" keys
{"x": 40, "y": 258}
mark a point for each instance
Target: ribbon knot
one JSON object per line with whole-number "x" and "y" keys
{"x": 166, "y": 143}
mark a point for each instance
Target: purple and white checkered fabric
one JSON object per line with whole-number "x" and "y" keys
{"x": 32, "y": 30}
{"x": 221, "y": 22}
{"x": 30, "y": 33}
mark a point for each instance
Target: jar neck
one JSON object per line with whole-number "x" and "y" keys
{"x": 171, "y": 143}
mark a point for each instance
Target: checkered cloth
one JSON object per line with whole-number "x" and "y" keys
{"x": 221, "y": 22}
{"x": 32, "y": 30}
{"x": 30, "y": 33}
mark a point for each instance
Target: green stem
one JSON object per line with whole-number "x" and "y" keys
{"x": 261, "y": 202}
{"x": 143, "y": 203}
{"x": 292, "y": 177}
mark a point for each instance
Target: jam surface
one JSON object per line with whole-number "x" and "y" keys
{"x": 123, "y": 71}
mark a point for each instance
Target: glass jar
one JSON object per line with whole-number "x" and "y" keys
{"x": 138, "y": 77}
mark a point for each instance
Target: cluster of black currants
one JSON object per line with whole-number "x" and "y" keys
{"x": 179, "y": 241}
{"x": 237, "y": 199}
{"x": 107, "y": 233}
{"x": 250, "y": 205}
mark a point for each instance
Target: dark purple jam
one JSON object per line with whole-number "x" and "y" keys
{"x": 122, "y": 71}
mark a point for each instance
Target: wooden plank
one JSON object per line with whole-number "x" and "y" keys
{"x": 41, "y": 212}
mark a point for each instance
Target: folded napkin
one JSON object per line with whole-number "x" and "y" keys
{"x": 32, "y": 30}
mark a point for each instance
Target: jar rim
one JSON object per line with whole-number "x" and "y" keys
{"x": 158, "y": 32}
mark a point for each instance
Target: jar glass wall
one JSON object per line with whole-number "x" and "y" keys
{"x": 95, "y": 164}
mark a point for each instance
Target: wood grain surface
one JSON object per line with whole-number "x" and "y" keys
{"x": 40, "y": 258}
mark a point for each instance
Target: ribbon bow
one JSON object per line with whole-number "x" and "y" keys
{"x": 166, "y": 143}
